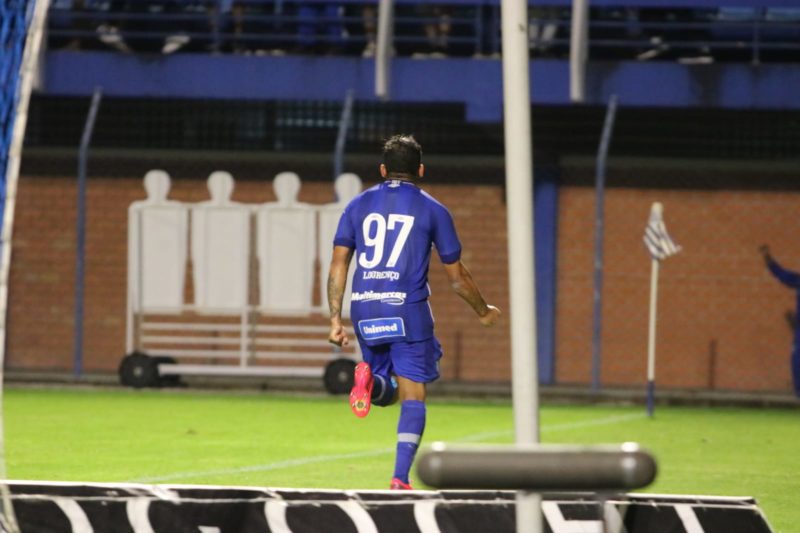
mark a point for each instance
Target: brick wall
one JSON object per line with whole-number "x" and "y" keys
{"x": 41, "y": 317}
{"x": 715, "y": 297}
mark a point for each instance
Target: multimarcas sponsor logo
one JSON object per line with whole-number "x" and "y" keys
{"x": 392, "y": 298}
{"x": 378, "y": 328}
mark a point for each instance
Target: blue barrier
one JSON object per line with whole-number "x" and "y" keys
{"x": 477, "y": 83}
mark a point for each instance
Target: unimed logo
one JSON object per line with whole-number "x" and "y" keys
{"x": 377, "y": 328}
{"x": 381, "y": 329}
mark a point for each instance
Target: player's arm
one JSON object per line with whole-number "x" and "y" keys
{"x": 337, "y": 282}
{"x": 787, "y": 277}
{"x": 463, "y": 285}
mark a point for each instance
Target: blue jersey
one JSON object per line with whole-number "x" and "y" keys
{"x": 790, "y": 279}
{"x": 391, "y": 228}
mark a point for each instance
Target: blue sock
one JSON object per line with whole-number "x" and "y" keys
{"x": 383, "y": 390}
{"x": 409, "y": 433}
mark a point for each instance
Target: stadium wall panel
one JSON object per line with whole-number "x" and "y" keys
{"x": 475, "y": 82}
{"x": 721, "y": 315}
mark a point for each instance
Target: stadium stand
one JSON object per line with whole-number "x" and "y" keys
{"x": 669, "y": 53}
{"x": 461, "y": 28}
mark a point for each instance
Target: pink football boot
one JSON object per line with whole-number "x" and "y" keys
{"x": 399, "y": 485}
{"x": 361, "y": 393}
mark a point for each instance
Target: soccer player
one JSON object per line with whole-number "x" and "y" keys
{"x": 390, "y": 229}
{"x": 792, "y": 280}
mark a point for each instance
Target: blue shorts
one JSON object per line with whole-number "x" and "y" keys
{"x": 417, "y": 361}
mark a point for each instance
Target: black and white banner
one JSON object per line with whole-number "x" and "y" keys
{"x": 127, "y": 508}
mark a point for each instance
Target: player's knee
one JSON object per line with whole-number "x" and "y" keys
{"x": 385, "y": 401}
{"x": 411, "y": 390}
{"x": 388, "y": 394}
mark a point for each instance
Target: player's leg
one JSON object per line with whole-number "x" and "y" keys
{"x": 416, "y": 364}
{"x": 372, "y": 381}
{"x": 410, "y": 428}
{"x": 385, "y": 389}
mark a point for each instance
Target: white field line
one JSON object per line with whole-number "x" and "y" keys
{"x": 555, "y": 428}
{"x": 303, "y": 461}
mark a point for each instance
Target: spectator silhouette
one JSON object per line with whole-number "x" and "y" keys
{"x": 320, "y": 28}
{"x": 792, "y": 280}
{"x": 134, "y": 22}
{"x": 437, "y": 28}
{"x": 369, "y": 15}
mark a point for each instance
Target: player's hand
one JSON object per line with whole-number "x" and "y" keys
{"x": 492, "y": 316}
{"x": 338, "y": 336}
{"x": 764, "y": 249}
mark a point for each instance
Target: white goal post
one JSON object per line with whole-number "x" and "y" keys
{"x": 27, "y": 76}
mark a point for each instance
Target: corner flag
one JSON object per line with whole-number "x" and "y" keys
{"x": 660, "y": 246}
{"x": 656, "y": 238}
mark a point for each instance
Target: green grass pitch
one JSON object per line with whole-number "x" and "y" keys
{"x": 196, "y": 437}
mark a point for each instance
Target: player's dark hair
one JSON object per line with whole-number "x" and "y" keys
{"x": 402, "y": 156}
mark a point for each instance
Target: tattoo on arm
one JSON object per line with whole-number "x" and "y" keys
{"x": 337, "y": 281}
{"x": 335, "y": 296}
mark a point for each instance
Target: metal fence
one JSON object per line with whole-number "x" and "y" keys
{"x": 312, "y": 126}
